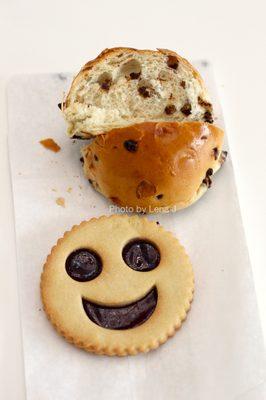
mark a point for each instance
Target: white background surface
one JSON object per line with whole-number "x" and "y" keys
{"x": 60, "y": 36}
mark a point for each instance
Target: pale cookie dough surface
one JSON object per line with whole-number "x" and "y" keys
{"x": 117, "y": 285}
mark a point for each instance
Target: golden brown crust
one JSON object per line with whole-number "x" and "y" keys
{"x": 107, "y": 235}
{"x": 154, "y": 165}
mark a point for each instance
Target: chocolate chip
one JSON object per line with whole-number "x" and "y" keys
{"x": 171, "y": 109}
{"x": 96, "y": 158}
{"x": 77, "y": 137}
{"x": 183, "y": 84}
{"x": 90, "y": 181}
{"x": 186, "y": 109}
{"x": 215, "y": 153}
{"x": 204, "y": 137}
{"x": 223, "y": 156}
{"x": 172, "y": 62}
{"x": 203, "y": 103}
{"x": 159, "y": 196}
{"x": 81, "y": 160}
{"x": 61, "y": 105}
{"x": 141, "y": 255}
{"x": 207, "y": 180}
{"x": 143, "y": 91}
{"x": 83, "y": 265}
{"x": 131, "y": 146}
{"x": 134, "y": 75}
{"x": 157, "y": 222}
{"x": 208, "y": 117}
{"x": 105, "y": 85}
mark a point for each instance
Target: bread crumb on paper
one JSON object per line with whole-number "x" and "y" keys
{"x": 69, "y": 190}
{"x": 50, "y": 144}
{"x": 60, "y": 201}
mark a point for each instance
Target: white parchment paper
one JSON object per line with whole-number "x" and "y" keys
{"x": 217, "y": 354}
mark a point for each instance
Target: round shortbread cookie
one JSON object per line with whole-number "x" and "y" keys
{"x": 117, "y": 285}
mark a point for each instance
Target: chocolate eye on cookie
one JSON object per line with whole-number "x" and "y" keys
{"x": 141, "y": 255}
{"x": 83, "y": 265}
{"x": 122, "y": 312}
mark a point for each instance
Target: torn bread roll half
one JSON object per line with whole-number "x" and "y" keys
{"x": 155, "y": 166}
{"x": 125, "y": 86}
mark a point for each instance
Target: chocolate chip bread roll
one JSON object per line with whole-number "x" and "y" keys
{"x": 153, "y": 166}
{"x": 151, "y": 117}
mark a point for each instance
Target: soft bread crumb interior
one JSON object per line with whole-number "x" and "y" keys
{"x": 126, "y": 88}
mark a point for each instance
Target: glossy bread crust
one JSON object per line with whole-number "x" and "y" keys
{"x": 154, "y": 167}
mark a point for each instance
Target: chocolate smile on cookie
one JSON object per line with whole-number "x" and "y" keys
{"x": 124, "y": 317}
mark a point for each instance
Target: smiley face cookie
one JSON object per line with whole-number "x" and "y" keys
{"x": 117, "y": 285}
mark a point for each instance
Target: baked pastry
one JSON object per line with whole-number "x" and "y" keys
{"x": 125, "y": 86}
{"x": 117, "y": 285}
{"x": 154, "y": 167}
{"x": 149, "y": 112}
